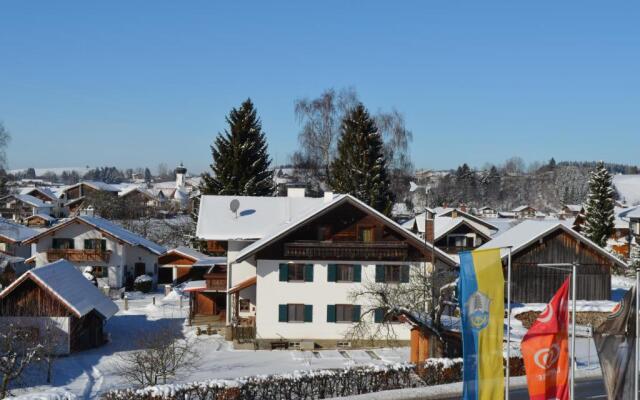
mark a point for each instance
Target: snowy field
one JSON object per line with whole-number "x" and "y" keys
{"x": 89, "y": 373}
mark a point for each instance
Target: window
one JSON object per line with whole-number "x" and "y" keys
{"x": 392, "y": 273}
{"x": 245, "y": 305}
{"x": 324, "y": 232}
{"x": 295, "y": 312}
{"x": 344, "y": 273}
{"x": 365, "y": 233}
{"x": 344, "y": 313}
{"x": 296, "y": 272}
{"x": 381, "y": 315}
{"x": 59, "y": 243}
{"x": 100, "y": 272}
{"x": 95, "y": 244}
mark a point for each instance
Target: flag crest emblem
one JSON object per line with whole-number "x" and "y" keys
{"x": 478, "y": 309}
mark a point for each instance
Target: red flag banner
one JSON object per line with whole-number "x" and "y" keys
{"x": 545, "y": 350}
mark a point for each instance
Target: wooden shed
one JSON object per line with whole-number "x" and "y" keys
{"x": 58, "y": 301}
{"x": 550, "y": 242}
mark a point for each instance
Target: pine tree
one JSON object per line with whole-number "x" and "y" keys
{"x": 599, "y": 206}
{"x": 360, "y": 167}
{"x": 241, "y": 164}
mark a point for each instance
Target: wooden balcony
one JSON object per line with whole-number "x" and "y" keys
{"x": 455, "y": 249}
{"x": 216, "y": 281}
{"x": 74, "y": 255}
{"x": 317, "y": 250}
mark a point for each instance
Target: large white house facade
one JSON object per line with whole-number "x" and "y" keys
{"x": 116, "y": 255}
{"x": 296, "y": 283}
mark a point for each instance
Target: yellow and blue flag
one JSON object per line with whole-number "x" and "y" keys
{"x": 481, "y": 295}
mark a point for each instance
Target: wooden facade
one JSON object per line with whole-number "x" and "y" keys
{"x": 533, "y": 284}
{"x": 344, "y": 233}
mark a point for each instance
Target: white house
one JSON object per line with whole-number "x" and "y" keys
{"x": 18, "y": 207}
{"x": 117, "y": 255}
{"x": 13, "y": 250}
{"x": 295, "y": 282}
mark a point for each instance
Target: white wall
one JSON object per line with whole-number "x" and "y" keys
{"x": 238, "y": 272}
{"x": 270, "y": 293}
{"x": 58, "y": 330}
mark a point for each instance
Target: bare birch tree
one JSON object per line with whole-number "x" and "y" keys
{"x": 18, "y": 350}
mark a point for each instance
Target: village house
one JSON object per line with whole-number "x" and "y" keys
{"x": 299, "y": 274}
{"x": 487, "y": 212}
{"x": 552, "y": 242}
{"x": 13, "y": 251}
{"x": 525, "y": 211}
{"x": 73, "y": 196}
{"x": 48, "y": 196}
{"x": 18, "y": 207}
{"x": 570, "y": 211}
{"x": 116, "y": 255}
{"x": 184, "y": 263}
{"x": 57, "y": 304}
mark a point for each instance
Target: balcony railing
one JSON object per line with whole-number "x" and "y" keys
{"x": 316, "y": 250}
{"x": 455, "y": 249}
{"x": 216, "y": 281}
{"x": 78, "y": 255}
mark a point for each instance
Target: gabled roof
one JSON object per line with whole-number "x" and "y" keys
{"x": 15, "y": 232}
{"x": 98, "y": 185}
{"x": 255, "y": 218}
{"x": 68, "y": 284}
{"x": 527, "y": 232}
{"x": 444, "y": 225}
{"x": 447, "y": 212}
{"x": 632, "y": 213}
{"x": 338, "y": 200}
{"x": 46, "y": 217}
{"x": 107, "y": 227}
{"x": 43, "y": 190}
{"x": 32, "y": 201}
{"x": 574, "y": 207}
{"x": 522, "y": 208}
{"x": 199, "y": 259}
{"x": 130, "y": 189}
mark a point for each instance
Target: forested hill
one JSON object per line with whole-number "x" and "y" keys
{"x": 544, "y": 186}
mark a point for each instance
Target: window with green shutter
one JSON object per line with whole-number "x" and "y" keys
{"x": 284, "y": 272}
{"x": 308, "y": 273}
{"x": 332, "y": 272}
{"x": 378, "y": 315}
{"x": 356, "y": 313}
{"x": 331, "y": 313}
{"x": 283, "y": 313}
{"x": 379, "y": 273}
{"x": 308, "y": 313}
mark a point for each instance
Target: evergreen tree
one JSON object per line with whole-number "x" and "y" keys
{"x": 360, "y": 167}
{"x": 241, "y": 164}
{"x": 599, "y": 206}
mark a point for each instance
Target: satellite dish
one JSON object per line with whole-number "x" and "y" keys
{"x": 234, "y": 206}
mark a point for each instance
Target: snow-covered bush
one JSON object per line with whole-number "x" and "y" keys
{"x": 320, "y": 384}
{"x": 143, "y": 283}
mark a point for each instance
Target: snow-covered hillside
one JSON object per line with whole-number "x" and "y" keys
{"x": 628, "y": 188}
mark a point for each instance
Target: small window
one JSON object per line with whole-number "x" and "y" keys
{"x": 324, "y": 232}
{"x": 392, "y": 273}
{"x": 296, "y": 272}
{"x": 344, "y": 313}
{"x": 245, "y": 305}
{"x": 295, "y": 312}
{"x": 344, "y": 272}
{"x": 95, "y": 244}
{"x": 100, "y": 272}
{"x": 366, "y": 233}
{"x": 59, "y": 243}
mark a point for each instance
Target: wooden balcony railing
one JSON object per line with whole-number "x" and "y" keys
{"x": 78, "y": 255}
{"x": 316, "y": 250}
{"x": 455, "y": 249}
{"x": 216, "y": 281}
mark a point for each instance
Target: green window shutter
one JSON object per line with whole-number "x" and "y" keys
{"x": 308, "y": 313}
{"x": 357, "y": 273}
{"x": 103, "y": 245}
{"x": 331, "y": 313}
{"x": 88, "y": 244}
{"x": 379, "y": 273}
{"x": 404, "y": 274}
{"x": 284, "y": 272}
{"x": 356, "y": 313}
{"x": 283, "y": 315}
{"x": 378, "y": 315}
{"x": 308, "y": 273}
{"x": 332, "y": 273}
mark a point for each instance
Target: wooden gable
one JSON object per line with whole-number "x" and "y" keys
{"x": 175, "y": 258}
{"x": 30, "y": 299}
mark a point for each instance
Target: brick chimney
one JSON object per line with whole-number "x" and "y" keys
{"x": 429, "y": 229}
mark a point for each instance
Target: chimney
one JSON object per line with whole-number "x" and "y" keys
{"x": 463, "y": 208}
{"x": 429, "y": 229}
{"x": 295, "y": 192}
{"x": 328, "y": 197}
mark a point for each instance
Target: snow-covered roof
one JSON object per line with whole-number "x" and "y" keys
{"x": 195, "y": 286}
{"x": 209, "y": 261}
{"x": 32, "y": 201}
{"x": 133, "y": 188}
{"x": 574, "y": 207}
{"x": 635, "y": 213}
{"x": 15, "y": 232}
{"x": 522, "y": 208}
{"x": 110, "y": 228}
{"x": 68, "y": 284}
{"x": 255, "y": 218}
{"x": 44, "y": 190}
{"x": 200, "y": 259}
{"x": 281, "y": 230}
{"x": 448, "y": 212}
{"x": 98, "y": 185}
{"x": 444, "y": 225}
{"x": 46, "y": 217}
{"x": 529, "y": 231}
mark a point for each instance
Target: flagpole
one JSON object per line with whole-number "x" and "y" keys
{"x": 637, "y": 342}
{"x": 506, "y": 389}
{"x": 573, "y": 331}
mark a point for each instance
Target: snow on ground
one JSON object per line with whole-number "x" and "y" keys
{"x": 628, "y": 188}
{"x": 89, "y": 373}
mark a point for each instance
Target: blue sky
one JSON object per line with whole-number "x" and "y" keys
{"x": 136, "y": 83}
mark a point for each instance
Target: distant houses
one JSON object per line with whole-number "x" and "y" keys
{"x": 18, "y": 207}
